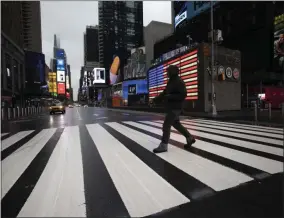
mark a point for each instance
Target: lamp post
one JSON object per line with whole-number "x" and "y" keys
{"x": 214, "y": 111}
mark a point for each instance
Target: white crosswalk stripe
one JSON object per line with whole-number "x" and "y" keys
{"x": 3, "y": 134}
{"x": 52, "y": 173}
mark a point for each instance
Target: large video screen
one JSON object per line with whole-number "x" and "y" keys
{"x": 279, "y": 43}
{"x": 61, "y": 76}
{"x": 60, "y": 64}
{"x": 140, "y": 87}
{"x": 98, "y": 75}
{"x": 187, "y": 64}
{"x": 180, "y": 10}
{"x": 114, "y": 70}
{"x": 136, "y": 65}
{"x": 61, "y": 88}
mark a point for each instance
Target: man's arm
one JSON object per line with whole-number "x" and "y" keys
{"x": 160, "y": 96}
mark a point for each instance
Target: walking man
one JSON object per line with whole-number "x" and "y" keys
{"x": 173, "y": 95}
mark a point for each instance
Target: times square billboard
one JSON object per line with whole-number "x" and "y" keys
{"x": 278, "y": 58}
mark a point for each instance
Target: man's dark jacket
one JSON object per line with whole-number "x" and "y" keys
{"x": 175, "y": 91}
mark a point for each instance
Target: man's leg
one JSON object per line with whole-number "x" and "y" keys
{"x": 179, "y": 127}
{"x": 169, "y": 119}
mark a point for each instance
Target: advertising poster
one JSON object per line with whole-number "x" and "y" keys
{"x": 278, "y": 61}
{"x": 61, "y": 88}
{"x": 52, "y": 85}
{"x": 136, "y": 65}
{"x": 61, "y": 76}
{"x": 98, "y": 75}
{"x": 114, "y": 70}
{"x": 180, "y": 9}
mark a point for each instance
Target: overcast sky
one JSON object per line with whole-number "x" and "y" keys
{"x": 68, "y": 19}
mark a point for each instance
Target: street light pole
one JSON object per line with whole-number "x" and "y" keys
{"x": 214, "y": 111}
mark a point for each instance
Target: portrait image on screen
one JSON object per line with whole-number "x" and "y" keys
{"x": 279, "y": 43}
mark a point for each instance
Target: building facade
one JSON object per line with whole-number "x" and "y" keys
{"x": 247, "y": 27}
{"x": 12, "y": 55}
{"x": 154, "y": 32}
{"x": 31, "y": 19}
{"x": 120, "y": 30}
{"x": 91, "y": 45}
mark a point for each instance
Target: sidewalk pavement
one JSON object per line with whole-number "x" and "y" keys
{"x": 244, "y": 116}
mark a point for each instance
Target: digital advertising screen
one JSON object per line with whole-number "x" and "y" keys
{"x": 98, "y": 75}
{"x": 61, "y": 88}
{"x": 60, "y": 65}
{"x": 52, "y": 85}
{"x": 188, "y": 66}
{"x": 59, "y": 53}
{"x": 180, "y": 9}
{"x": 195, "y": 8}
{"x": 141, "y": 87}
{"x": 114, "y": 70}
{"x": 60, "y": 76}
{"x": 278, "y": 60}
{"x": 132, "y": 89}
{"x": 136, "y": 64}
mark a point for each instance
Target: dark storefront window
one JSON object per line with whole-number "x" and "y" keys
{"x": 22, "y": 77}
{"x": 8, "y": 71}
{"x": 2, "y": 70}
{"x": 16, "y": 75}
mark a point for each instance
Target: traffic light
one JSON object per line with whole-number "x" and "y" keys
{"x": 221, "y": 77}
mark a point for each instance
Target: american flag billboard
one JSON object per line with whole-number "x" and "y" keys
{"x": 187, "y": 64}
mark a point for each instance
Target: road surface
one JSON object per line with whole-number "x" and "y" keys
{"x": 94, "y": 162}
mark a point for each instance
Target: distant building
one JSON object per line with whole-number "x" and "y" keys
{"x": 91, "y": 46}
{"x": 154, "y": 32}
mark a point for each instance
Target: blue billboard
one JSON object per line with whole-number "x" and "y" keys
{"x": 141, "y": 87}
{"x": 59, "y": 53}
{"x": 60, "y": 65}
{"x": 194, "y": 8}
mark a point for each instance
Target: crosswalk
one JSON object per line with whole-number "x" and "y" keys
{"x": 109, "y": 169}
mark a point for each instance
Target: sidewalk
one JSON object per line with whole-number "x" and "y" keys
{"x": 243, "y": 116}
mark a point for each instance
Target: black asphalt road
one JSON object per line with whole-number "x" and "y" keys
{"x": 247, "y": 160}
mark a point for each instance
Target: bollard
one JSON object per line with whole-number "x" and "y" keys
{"x": 26, "y": 111}
{"x": 2, "y": 114}
{"x": 18, "y": 109}
{"x": 22, "y": 113}
{"x": 9, "y": 113}
{"x": 14, "y": 113}
{"x": 29, "y": 111}
{"x": 269, "y": 110}
{"x": 255, "y": 112}
{"x": 282, "y": 109}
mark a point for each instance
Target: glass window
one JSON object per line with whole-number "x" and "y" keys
{"x": 130, "y": 4}
{"x": 16, "y": 75}
{"x": 8, "y": 71}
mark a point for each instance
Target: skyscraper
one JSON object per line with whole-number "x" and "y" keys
{"x": 31, "y": 19}
{"x": 91, "y": 45}
{"x": 120, "y": 30}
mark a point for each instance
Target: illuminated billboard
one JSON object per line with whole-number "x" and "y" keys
{"x": 61, "y": 76}
{"x": 52, "y": 86}
{"x": 60, "y": 65}
{"x": 279, "y": 43}
{"x": 187, "y": 63}
{"x": 136, "y": 65}
{"x": 114, "y": 70}
{"x": 61, "y": 88}
{"x": 67, "y": 82}
{"x": 98, "y": 75}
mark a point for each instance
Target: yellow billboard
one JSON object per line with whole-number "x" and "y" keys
{"x": 52, "y": 86}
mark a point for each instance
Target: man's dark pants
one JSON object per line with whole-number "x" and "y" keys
{"x": 172, "y": 119}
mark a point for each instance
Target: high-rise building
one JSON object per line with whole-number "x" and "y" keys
{"x": 31, "y": 19}
{"x": 120, "y": 30}
{"x": 91, "y": 45}
{"x": 12, "y": 54}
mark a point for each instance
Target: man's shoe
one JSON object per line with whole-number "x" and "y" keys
{"x": 161, "y": 148}
{"x": 189, "y": 142}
